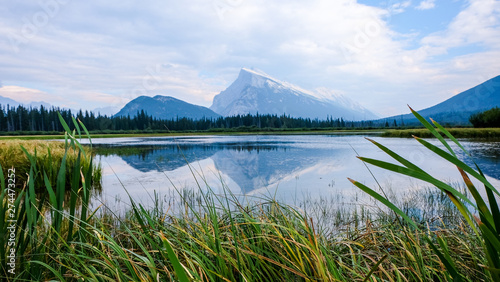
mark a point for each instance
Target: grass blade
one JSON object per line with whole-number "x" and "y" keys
{"x": 432, "y": 130}
{"x": 384, "y": 201}
{"x": 415, "y": 174}
{"x": 454, "y": 160}
{"x": 179, "y": 270}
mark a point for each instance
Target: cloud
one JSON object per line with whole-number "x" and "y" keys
{"x": 111, "y": 52}
{"x": 27, "y": 95}
{"x": 79, "y": 51}
{"x": 426, "y": 5}
{"x": 399, "y": 7}
{"x": 478, "y": 24}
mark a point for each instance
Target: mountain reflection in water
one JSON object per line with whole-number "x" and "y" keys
{"x": 292, "y": 166}
{"x": 251, "y": 166}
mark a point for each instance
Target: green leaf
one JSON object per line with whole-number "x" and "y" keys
{"x": 383, "y": 200}
{"x": 52, "y": 195}
{"x": 86, "y": 132}
{"x": 463, "y": 210}
{"x": 454, "y": 160}
{"x": 179, "y": 270}
{"x": 447, "y": 258}
{"x": 415, "y": 174}
{"x": 2, "y": 179}
{"x": 77, "y": 127}
{"x": 432, "y": 130}
{"x": 483, "y": 208}
{"x": 491, "y": 198}
{"x": 375, "y": 267}
{"x": 64, "y": 124}
{"x": 490, "y": 236}
{"x": 55, "y": 272}
{"x": 448, "y": 134}
{"x": 397, "y": 157}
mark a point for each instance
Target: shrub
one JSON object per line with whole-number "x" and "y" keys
{"x": 489, "y": 118}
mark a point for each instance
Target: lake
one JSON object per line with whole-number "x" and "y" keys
{"x": 289, "y": 168}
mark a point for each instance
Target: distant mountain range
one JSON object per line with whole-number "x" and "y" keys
{"x": 256, "y": 92}
{"x": 4, "y": 101}
{"x": 165, "y": 107}
{"x": 457, "y": 109}
{"x": 108, "y": 111}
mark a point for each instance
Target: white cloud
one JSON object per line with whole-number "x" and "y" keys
{"x": 26, "y": 95}
{"x": 97, "y": 52}
{"x": 478, "y": 24}
{"x": 80, "y": 52}
{"x": 399, "y": 7}
{"x": 426, "y": 5}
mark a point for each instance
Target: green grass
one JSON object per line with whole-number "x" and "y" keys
{"x": 47, "y": 156}
{"x": 298, "y": 131}
{"x": 481, "y": 214}
{"x": 481, "y": 133}
{"x": 476, "y": 133}
{"x": 209, "y": 237}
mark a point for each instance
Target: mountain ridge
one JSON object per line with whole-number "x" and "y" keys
{"x": 165, "y": 107}
{"x": 4, "y": 101}
{"x": 256, "y": 92}
{"x": 459, "y": 108}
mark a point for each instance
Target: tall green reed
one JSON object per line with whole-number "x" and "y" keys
{"x": 40, "y": 211}
{"x": 486, "y": 226}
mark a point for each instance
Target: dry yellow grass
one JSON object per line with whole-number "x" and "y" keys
{"x": 49, "y": 155}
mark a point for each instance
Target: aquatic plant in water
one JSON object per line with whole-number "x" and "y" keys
{"x": 482, "y": 215}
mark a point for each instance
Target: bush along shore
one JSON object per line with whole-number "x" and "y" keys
{"x": 476, "y": 133}
{"x": 217, "y": 238}
{"x": 45, "y": 157}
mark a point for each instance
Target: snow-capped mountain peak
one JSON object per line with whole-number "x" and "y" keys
{"x": 259, "y": 77}
{"x": 332, "y": 96}
{"x": 254, "y": 91}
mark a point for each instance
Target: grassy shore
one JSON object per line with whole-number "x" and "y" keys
{"x": 203, "y": 236}
{"x": 201, "y": 133}
{"x": 433, "y": 236}
{"x": 474, "y": 133}
{"x": 47, "y": 157}
{"x": 216, "y": 238}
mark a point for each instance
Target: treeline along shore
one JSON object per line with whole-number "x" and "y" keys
{"x": 45, "y": 121}
{"x": 42, "y": 119}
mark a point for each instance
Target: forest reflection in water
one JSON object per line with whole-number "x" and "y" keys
{"x": 289, "y": 168}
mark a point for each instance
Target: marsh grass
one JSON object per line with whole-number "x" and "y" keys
{"x": 213, "y": 237}
{"x": 476, "y": 133}
{"x": 481, "y": 214}
{"x": 47, "y": 155}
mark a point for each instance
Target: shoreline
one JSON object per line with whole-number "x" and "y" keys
{"x": 462, "y": 133}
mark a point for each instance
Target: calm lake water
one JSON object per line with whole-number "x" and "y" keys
{"x": 290, "y": 168}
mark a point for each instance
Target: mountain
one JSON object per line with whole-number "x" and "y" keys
{"x": 108, "y": 111}
{"x": 165, "y": 107}
{"x": 458, "y": 109}
{"x": 4, "y": 101}
{"x": 256, "y": 92}
{"x": 38, "y": 104}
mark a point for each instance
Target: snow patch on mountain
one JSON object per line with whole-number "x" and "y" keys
{"x": 257, "y": 92}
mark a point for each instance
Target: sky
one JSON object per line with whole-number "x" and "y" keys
{"x": 382, "y": 54}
